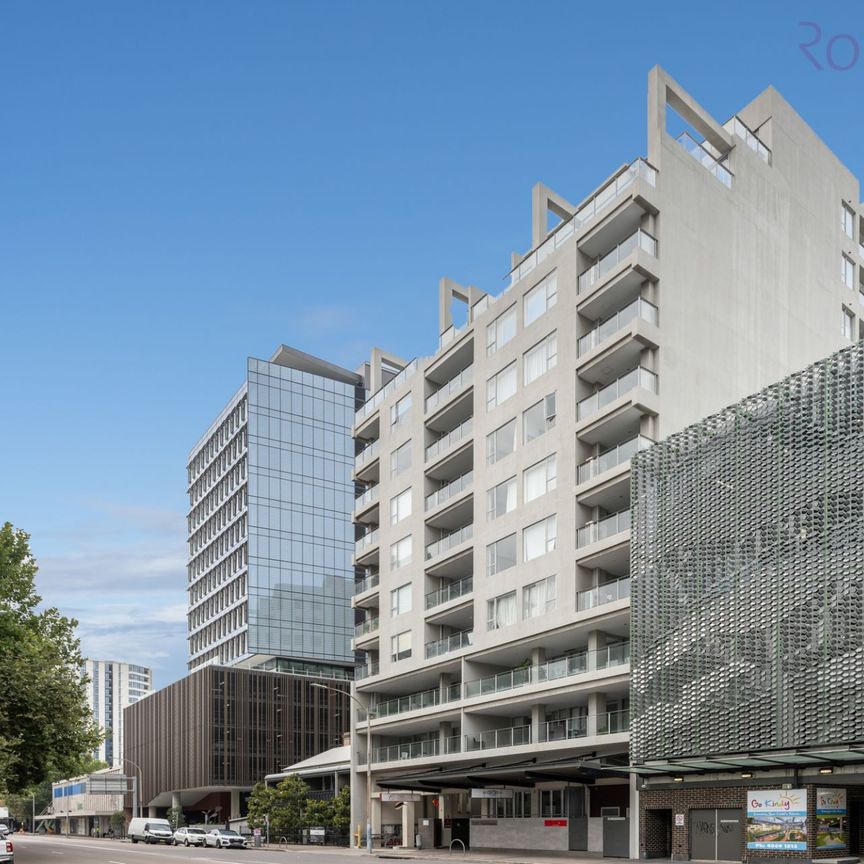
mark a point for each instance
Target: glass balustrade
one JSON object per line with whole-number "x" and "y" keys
{"x": 511, "y": 736}
{"x": 603, "y": 594}
{"x": 736, "y": 126}
{"x": 370, "y": 581}
{"x": 453, "y": 744}
{"x": 700, "y": 152}
{"x": 639, "y": 308}
{"x": 370, "y": 495}
{"x": 445, "y": 442}
{"x": 448, "y": 541}
{"x": 364, "y": 671}
{"x": 611, "y": 722}
{"x": 370, "y": 538}
{"x": 414, "y": 750}
{"x": 417, "y": 701}
{"x": 455, "y": 642}
{"x": 603, "y": 529}
{"x": 367, "y": 453}
{"x": 639, "y": 239}
{"x": 450, "y": 592}
{"x": 454, "y": 384}
{"x": 445, "y": 493}
{"x": 612, "y": 458}
{"x": 638, "y": 377}
{"x": 367, "y": 626}
{"x": 379, "y": 396}
{"x": 562, "y": 730}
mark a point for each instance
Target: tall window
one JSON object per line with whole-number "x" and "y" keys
{"x": 540, "y": 478}
{"x": 847, "y": 220}
{"x": 400, "y": 646}
{"x": 400, "y": 553}
{"x": 400, "y": 507}
{"x": 540, "y": 538}
{"x": 501, "y": 499}
{"x": 541, "y": 358}
{"x": 400, "y": 459}
{"x": 539, "y": 418}
{"x": 500, "y": 387}
{"x": 540, "y": 299}
{"x": 400, "y": 600}
{"x": 848, "y": 324}
{"x": 501, "y": 331}
{"x": 551, "y": 803}
{"x": 501, "y": 555}
{"x": 501, "y": 611}
{"x": 538, "y": 598}
{"x": 399, "y": 411}
{"x": 501, "y": 442}
{"x": 847, "y": 270}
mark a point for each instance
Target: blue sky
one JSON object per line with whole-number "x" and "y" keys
{"x": 183, "y": 184}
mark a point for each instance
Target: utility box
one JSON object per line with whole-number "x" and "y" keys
{"x": 418, "y": 841}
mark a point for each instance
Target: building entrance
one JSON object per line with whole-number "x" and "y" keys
{"x": 716, "y": 835}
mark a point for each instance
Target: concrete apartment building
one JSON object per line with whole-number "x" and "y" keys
{"x": 113, "y": 687}
{"x": 493, "y": 508}
{"x": 747, "y": 730}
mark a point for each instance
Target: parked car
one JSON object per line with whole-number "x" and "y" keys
{"x": 4, "y": 829}
{"x": 189, "y": 836}
{"x": 7, "y": 851}
{"x": 150, "y": 830}
{"x": 223, "y": 839}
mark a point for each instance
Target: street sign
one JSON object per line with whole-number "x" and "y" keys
{"x": 404, "y": 797}
{"x": 256, "y": 832}
{"x": 115, "y": 784}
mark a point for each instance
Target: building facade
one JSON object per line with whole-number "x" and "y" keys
{"x": 748, "y": 624}
{"x": 270, "y": 535}
{"x": 84, "y": 806}
{"x": 112, "y": 687}
{"x": 493, "y": 478}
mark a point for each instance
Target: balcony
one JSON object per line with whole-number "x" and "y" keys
{"x": 449, "y": 541}
{"x": 366, "y": 458}
{"x": 611, "y": 722}
{"x": 370, "y": 625}
{"x": 736, "y": 126}
{"x": 639, "y": 239}
{"x": 492, "y": 739}
{"x": 449, "y": 644}
{"x": 375, "y": 400}
{"x": 414, "y": 750}
{"x": 638, "y": 309}
{"x": 609, "y": 526}
{"x": 611, "y": 592}
{"x": 563, "y": 730}
{"x": 449, "y": 491}
{"x": 370, "y": 496}
{"x": 454, "y": 385}
{"x": 712, "y": 162}
{"x": 366, "y": 584}
{"x": 365, "y": 543}
{"x": 453, "y": 591}
{"x": 366, "y": 670}
{"x": 598, "y": 202}
{"x": 417, "y": 701}
{"x": 638, "y": 377}
{"x": 612, "y": 458}
{"x": 451, "y": 439}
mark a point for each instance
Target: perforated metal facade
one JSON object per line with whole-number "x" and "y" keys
{"x": 747, "y": 564}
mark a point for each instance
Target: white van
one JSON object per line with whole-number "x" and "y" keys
{"x": 150, "y": 830}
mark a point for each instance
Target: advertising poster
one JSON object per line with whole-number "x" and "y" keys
{"x": 832, "y": 826}
{"x": 777, "y": 820}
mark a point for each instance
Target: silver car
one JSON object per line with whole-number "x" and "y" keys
{"x": 189, "y": 836}
{"x": 224, "y": 839}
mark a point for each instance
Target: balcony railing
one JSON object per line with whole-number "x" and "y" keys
{"x": 417, "y": 701}
{"x": 377, "y": 398}
{"x": 448, "y": 541}
{"x": 454, "y": 384}
{"x": 618, "y": 455}
{"x": 639, "y": 239}
{"x": 639, "y": 308}
{"x": 367, "y": 626}
{"x": 700, "y": 152}
{"x": 450, "y": 592}
{"x": 597, "y": 202}
{"x": 445, "y": 493}
{"x": 861, "y": 250}
{"x": 603, "y": 594}
{"x": 361, "y": 672}
{"x": 491, "y": 739}
{"x": 454, "y": 642}
{"x": 367, "y": 540}
{"x": 450, "y": 334}
{"x": 414, "y": 750}
{"x": 638, "y": 377}
{"x": 453, "y": 744}
{"x": 370, "y": 495}
{"x": 463, "y": 430}
{"x": 613, "y": 721}
{"x": 562, "y": 730}
{"x": 370, "y": 581}
{"x": 607, "y": 527}
{"x": 367, "y": 453}
{"x": 736, "y": 126}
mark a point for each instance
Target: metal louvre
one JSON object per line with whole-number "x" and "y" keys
{"x": 747, "y": 566}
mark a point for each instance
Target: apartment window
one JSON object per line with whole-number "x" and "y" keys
{"x": 540, "y": 359}
{"x": 539, "y": 418}
{"x": 551, "y": 803}
{"x": 501, "y": 499}
{"x": 539, "y": 538}
{"x": 400, "y": 507}
{"x": 400, "y": 459}
{"x": 500, "y": 387}
{"x": 847, "y": 270}
{"x": 400, "y": 646}
{"x": 538, "y": 597}
{"x": 501, "y": 555}
{"x": 848, "y": 324}
{"x": 501, "y": 611}
{"x": 501, "y": 331}
{"x": 501, "y": 442}
{"x": 400, "y": 553}
{"x": 399, "y": 411}
{"x": 540, "y": 299}
{"x": 540, "y": 478}
{"x": 847, "y": 217}
{"x": 400, "y": 600}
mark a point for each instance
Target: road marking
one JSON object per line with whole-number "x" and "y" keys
{"x": 110, "y": 861}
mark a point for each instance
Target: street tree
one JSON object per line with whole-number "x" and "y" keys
{"x": 341, "y": 806}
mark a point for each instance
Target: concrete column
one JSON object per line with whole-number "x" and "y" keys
{"x": 538, "y": 718}
{"x": 596, "y": 705}
{"x": 634, "y": 817}
{"x": 408, "y": 821}
{"x": 538, "y": 656}
{"x": 596, "y": 641}
{"x": 376, "y": 816}
{"x": 235, "y": 804}
{"x": 175, "y": 800}
{"x": 151, "y": 813}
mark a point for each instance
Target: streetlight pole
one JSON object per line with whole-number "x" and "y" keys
{"x": 136, "y": 792}
{"x": 368, "y": 711}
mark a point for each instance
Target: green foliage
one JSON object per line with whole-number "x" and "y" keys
{"x": 175, "y": 817}
{"x": 290, "y": 809}
{"x": 46, "y": 728}
{"x": 118, "y": 822}
{"x": 341, "y": 806}
{"x": 318, "y": 814}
